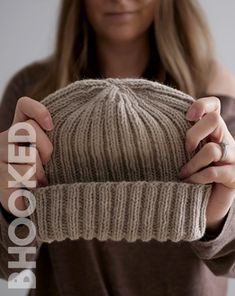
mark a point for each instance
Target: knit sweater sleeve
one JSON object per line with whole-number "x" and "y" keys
{"x": 218, "y": 250}
{"x": 15, "y": 88}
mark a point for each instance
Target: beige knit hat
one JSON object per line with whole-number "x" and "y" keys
{"x": 119, "y": 145}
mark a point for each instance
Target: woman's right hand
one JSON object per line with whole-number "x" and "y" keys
{"x": 38, "y": 116}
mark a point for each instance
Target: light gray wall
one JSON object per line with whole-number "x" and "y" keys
{"x": 27, "y": 34}
{"x": 222, "y": 22}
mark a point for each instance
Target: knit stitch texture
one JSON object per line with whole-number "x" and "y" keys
{"x": 119, "y": 145}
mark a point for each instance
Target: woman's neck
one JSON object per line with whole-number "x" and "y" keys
{"x": 123, "y": 60}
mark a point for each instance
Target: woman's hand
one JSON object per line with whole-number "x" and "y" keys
{"x": 36, "y": 114}
{"x": 205, "y": 166}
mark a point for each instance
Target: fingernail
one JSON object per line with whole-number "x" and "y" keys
{"x": 48, "y": 123}
{"x": 179, "y": 175}
{"x": 191, "y": 115}
{"x": 187, "y": 147}
{"x": 183, "y": 172}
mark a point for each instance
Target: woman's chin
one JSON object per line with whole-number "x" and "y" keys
{"x": 121, "y": 35}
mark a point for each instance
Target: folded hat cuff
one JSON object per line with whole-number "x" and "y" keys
{"x": 128, "y": 210}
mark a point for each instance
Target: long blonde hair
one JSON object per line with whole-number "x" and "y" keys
{"x": 182, "y": 38}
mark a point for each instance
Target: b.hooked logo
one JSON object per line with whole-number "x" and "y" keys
{"x": 25, "y": 279}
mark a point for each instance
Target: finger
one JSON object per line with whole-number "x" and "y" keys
{"x": 21, "y": 175}
{"x": 202, "y": 106}
{"x": 218, "y": 174}
{"x": 212, "y": 125}
{"x": 6, "y": 190}
{"x": 28, "y": 108}
{"x": 26, "y": 173}
{"x": 18, "y": 154}
{"x": 210, "y": 152}
{"x": 6, "y": 193}
{"x": 40, "y": 172}
{"x": 43, "y": 144}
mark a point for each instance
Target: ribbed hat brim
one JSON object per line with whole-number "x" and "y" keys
{"x": 121, "y": 210}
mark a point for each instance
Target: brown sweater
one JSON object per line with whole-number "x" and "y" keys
{"x": 91, "y": 267}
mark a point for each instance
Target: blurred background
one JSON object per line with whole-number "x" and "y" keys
{"x": 27, "y": 32}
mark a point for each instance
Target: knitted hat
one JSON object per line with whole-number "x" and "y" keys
{"x": 119, "y": 145}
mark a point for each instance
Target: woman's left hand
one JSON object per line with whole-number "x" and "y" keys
{"x": 210, "y": 125}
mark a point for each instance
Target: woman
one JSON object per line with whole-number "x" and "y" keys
{"x": 166, "y": 41}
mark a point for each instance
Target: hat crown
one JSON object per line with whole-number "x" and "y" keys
{"x": 117, "y": 129}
